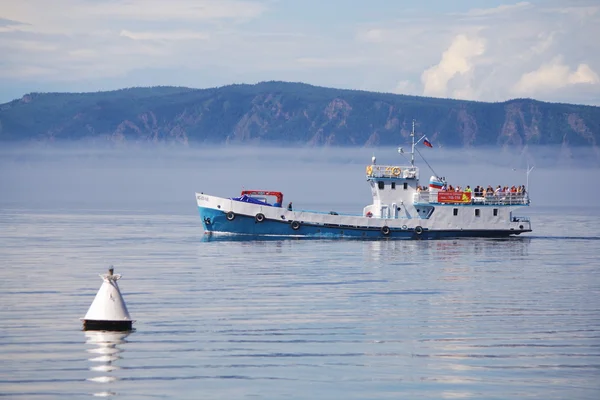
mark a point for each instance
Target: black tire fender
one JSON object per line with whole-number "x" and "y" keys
{"x": 418, "y": 230}
{"x": 260, "y": 217}
{"x": 230, "y": 216}
{"x": 295, "y": 225}
{"x": 385, "y": 230}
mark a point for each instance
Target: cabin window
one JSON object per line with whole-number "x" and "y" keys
{"x": 393, "y": 185}
{"x": 455, "y": 211}
{"x": 477, "y": 212}
{"x": 381, "y": 185}
{"x": 495, "y": 212}
{"x": 405, "y": 185}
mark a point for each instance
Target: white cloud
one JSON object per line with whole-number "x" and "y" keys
{"x": 101, "y": 39}
{"x": 9, "y": 28}
{"x": 545, "y": 42}
{"x": 30, "y": 71}
{"x": 406, "y": 87}
{"x": 456, "y": 60}
{"x": 479, "y": 12}
{"x": 580, "y": 12}
{"x": 176, "y": 9}
{"x": 372, "y": 36}
{"x": 552, "y": 76}
{"x": 509, "y": 42}
{"x": 584, "y": 74}
{"x": 165, "y": 35}
{"x": 88, "y": 16}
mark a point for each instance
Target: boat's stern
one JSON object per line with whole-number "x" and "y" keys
{"x": 520, "y": 224}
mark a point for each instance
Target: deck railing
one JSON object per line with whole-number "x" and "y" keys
{"x": 496, "y": 199}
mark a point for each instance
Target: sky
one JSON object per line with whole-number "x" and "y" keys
{"x": 463, "y": 49}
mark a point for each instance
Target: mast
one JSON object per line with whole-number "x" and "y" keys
{"x": 412, "y": 152}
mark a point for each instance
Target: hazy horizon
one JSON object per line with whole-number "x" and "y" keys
{"x": 155, "y": 179}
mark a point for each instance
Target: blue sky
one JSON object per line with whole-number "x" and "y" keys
{"x": 476, "y": 50}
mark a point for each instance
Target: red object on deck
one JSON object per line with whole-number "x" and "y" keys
{"x": 278, "y": 195}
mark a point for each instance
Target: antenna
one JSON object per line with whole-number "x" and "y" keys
{"x": 412, "y": 152}
{"x": 527, "y": 180}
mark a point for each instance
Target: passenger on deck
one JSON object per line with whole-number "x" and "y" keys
{"x": 468, "y": 189}
{"x": 290, "y": 206}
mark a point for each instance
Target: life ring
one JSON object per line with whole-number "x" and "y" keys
{"x": 260, "y": 217}
{"x": 295, "y": 225}
{"x": 418, "y": 230}
{"x": 369, "y": 170}
{"x": 369, "y": 214}
{"x": 396, "y": 171}
{"x": 230, "y": 216}
{"x": 385, "y": 230}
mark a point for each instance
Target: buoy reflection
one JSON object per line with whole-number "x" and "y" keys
{"x": 105, "y": 353}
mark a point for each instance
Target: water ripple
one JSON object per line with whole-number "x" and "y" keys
{"x": 296, "y": 318}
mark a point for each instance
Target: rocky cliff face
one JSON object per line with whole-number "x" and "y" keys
{"x": 290, "y": 113}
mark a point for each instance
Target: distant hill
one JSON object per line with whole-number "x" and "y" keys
{"x": 290, "y": 113}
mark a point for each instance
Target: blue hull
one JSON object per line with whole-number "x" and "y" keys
{"x": 216, "y": 221}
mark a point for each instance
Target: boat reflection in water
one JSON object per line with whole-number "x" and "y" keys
{"x": 104, "y": 356}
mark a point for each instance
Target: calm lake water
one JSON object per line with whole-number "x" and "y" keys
{"x": 299, "y": 319}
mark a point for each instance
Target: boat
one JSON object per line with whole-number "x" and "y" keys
{"x": 401, "y": 209}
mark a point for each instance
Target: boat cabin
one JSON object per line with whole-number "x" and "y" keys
{"x": 392, "y": 186}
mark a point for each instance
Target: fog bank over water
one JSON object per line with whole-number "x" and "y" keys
{"x": 165, "y": 179}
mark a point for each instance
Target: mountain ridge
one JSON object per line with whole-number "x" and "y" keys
{"x": 291, "y": 113}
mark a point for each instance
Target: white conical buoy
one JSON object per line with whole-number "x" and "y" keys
{"x": 108, "y": 311}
